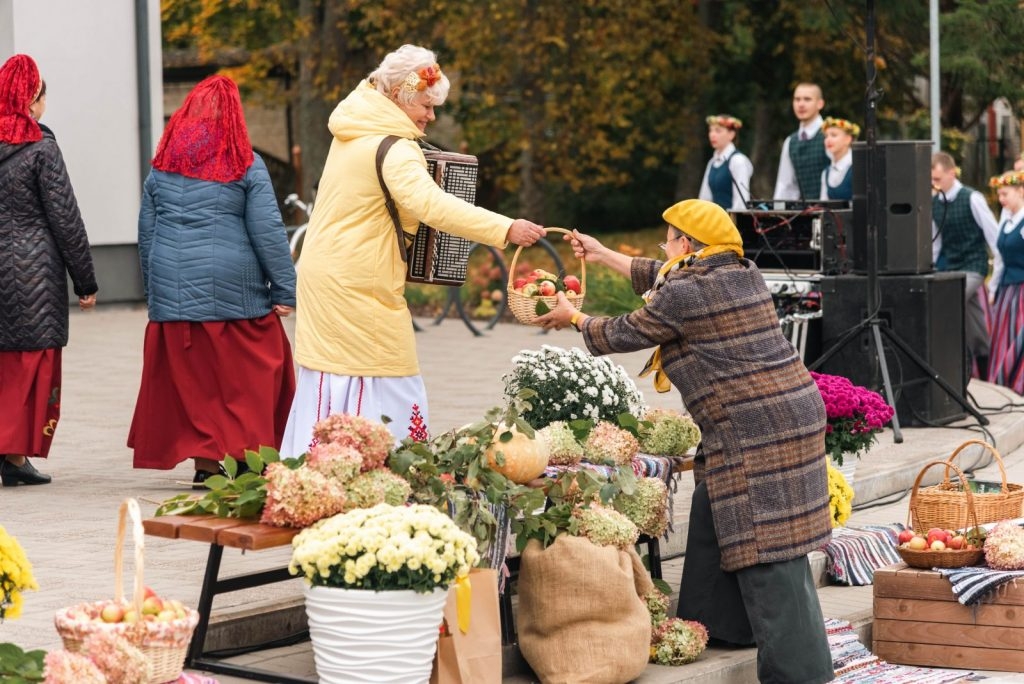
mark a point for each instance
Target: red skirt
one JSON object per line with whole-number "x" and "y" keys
{"x": 210, "y": 389}
{"x": 30, "y": 397}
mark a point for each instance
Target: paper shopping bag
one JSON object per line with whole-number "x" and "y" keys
{"x": 477, "y": 650}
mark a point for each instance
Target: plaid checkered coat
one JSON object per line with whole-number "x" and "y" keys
{"x": 760, "y": 413}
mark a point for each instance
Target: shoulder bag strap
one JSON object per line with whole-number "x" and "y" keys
{"x": 389, "y": 202}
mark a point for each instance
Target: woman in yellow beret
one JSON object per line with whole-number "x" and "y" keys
{"x": 761, "y": 499}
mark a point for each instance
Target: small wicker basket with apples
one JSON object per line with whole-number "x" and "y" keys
{"x": 534, "y": 295}
{"x": 937, "y": 547}
{"x": 160, "y": 628}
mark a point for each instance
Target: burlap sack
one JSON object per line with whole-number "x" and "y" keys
{"x": 580, "y": 619}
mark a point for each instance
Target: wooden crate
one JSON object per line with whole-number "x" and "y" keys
{"x": 918, "y": 621}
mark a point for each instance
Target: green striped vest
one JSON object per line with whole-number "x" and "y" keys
{"x": 963, "y": 243}
{"x": 809, "y": 160}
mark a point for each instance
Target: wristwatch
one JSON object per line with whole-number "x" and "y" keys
{"x": 575, "y": 320}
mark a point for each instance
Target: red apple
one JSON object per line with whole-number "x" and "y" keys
{"x": 112, "y": 612}
{"x": 905, "y": 536}
{"x": 547, "y": 288}
{"x": 572, "y": 283}
{"x": 957, "y": 542}
{"x": 152, "y": 606}
{"x": 148, "y": 591}
{"x": 518, "y": 283}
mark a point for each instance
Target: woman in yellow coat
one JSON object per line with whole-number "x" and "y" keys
{"x": 354, "y": 340}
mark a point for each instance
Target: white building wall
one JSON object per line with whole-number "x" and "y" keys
{"x": 86, "y": 52}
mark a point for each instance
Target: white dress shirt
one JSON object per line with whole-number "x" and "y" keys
{"x": 983, "y": 217}
{"x": 836, "y": 172}
{"x": 741, "y": 169}
{"x": 786, "y": 185}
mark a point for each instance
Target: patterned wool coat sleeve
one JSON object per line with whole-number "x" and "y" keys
{"x": 761, "y": 415}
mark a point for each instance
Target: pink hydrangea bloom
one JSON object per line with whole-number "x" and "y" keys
{"x": 371, "y": 439}
{"x": 64, "y": 667}
{"x": 339, "y": 461}
{"x": 116, "y": 658}
{"x": 298, "y": 498}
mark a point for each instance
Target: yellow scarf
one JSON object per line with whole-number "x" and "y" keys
{"x": 661, "y": 382}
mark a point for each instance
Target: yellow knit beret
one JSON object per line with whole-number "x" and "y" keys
{"x": 703, "y": 221}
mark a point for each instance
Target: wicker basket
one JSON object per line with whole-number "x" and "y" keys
{"x": 525, "y": 308}
{"x": 943, "y": 505}
{"x": 163, "y": 643}
{"x": 947, "y": 558}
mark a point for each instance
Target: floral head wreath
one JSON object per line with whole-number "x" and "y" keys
{"x": 843, "y": 125}
{"x": 725, "y": 121}
{"x": 418, "y": 81}
{"x": 1015, "y": 178}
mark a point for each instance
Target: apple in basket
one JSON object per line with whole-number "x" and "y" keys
{"x": 547, "y": 288}
{"x": 572, "y": 283}
{"x": 905, "y": 536}
{"x": 917, "y": 543}
{"x": 519, "y": 283}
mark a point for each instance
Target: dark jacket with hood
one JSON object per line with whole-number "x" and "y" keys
{"x": 42, "y": 240}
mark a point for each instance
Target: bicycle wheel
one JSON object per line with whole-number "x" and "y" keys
{"x": 482, "y": 301}
{"x": 295, "y": 244}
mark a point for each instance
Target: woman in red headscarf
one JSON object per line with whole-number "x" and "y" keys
{"x": 42, "y": 240}
{"x": 217, "y": 375}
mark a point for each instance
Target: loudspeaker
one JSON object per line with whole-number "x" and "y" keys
{"x": 903, "y": 175}
{"x": 926, "y": 312}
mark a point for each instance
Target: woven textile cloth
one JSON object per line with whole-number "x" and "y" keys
{"x": 855, "y": 664}
{"x": 854, "y": 553}
{"x": 974, "y": 585}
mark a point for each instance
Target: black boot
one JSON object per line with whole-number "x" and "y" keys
{"x": 12, "y": 475}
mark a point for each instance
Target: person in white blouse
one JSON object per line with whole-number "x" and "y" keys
{"x": 803, "y": 153}
{"x": 727, "y": 177}
{"x": 837, "y": 179}
{"x": 963, "y": 233}
{"x": 1006, "y": 357}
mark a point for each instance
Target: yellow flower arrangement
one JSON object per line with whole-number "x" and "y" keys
{"x": 840, "y": 497}
{"x": 15, "y": 576}
{"x": 384, "y": 548}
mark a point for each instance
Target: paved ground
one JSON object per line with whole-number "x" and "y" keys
{"x": 68, "y": 527}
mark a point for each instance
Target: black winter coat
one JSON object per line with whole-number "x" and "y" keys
{"x": 42, "y": 239}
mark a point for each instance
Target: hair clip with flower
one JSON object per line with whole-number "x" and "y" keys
{"x": 725, "y": 121}
{"x": 1015, "y": 178}
{"x": 843, "y": 125}
{"x": 418, "y": 81}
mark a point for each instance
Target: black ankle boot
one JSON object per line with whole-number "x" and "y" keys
{"x": 12, "y": 475}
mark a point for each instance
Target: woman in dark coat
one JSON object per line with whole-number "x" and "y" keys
{"x": 217, "y": 373}
{"x": 761, "y": 499}
{"x": 42, "y": 240}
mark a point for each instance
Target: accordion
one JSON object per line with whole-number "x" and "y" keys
{"x": 436, "y": 257}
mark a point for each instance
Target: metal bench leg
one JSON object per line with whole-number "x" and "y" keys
{"x": 195, "y": 648}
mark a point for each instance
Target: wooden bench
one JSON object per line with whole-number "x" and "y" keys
{"x": 220, "y": 533}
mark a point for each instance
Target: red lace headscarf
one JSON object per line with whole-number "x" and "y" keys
{"x": 207, "y": 138}
{"x": 19, "y": 86}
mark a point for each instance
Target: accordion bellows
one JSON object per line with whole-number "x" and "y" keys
{"x": 436, "y": 257}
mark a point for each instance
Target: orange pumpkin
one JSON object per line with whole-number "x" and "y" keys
{"x": 525, "y": 458}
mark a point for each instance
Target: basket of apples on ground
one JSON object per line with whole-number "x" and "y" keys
{"x": 160, "y": 628}
{"x": 936, "y": 547}
{"x": 535, "y": 294}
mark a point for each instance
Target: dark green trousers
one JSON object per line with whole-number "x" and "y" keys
{"x": 773, "y": 606}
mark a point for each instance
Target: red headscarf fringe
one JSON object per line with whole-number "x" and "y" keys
{"x": 19, "y": 86}
{"x": 207, "y": 137}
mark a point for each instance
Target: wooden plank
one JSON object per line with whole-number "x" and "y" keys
{"x": 254, "y": 536}
{"x": 996, "y": 615}
{"x": 166, "y": 526}
{"x": 951, "y": 655}
{"x": 911, "y": 583}
{"x": 206, "y": 528}
{"x": 950, "y": 635}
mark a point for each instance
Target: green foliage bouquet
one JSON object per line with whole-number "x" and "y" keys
{"x": 571, "y": 385}
{"x": 384, "y": 548}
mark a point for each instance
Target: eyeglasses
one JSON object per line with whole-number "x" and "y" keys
{"x": 663, "y": 245}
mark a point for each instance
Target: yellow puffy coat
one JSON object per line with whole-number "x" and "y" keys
{"x": 352, "y": 318}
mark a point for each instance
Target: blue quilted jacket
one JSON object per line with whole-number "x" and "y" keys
{"x": 213, "y": 251}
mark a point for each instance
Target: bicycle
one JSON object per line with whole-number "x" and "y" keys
{"x": 298, "y": 234}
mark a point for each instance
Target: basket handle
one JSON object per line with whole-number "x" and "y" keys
{"x": 129, "y": 512}
{"x": 998, "y": 459}
{"x": 515, "y": 258}
{"x": 966, "y": 489}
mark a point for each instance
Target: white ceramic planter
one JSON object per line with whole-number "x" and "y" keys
{"x": 849, "y": 467}
{"x": 369, "y": 636}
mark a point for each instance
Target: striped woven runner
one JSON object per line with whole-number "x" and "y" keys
{"x": 973, "y": 585}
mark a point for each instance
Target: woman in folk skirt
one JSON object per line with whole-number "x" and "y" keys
{"x": 1006, "y": 356}
{"x": 42, "y": 239}
{"x": 217, "y": 374}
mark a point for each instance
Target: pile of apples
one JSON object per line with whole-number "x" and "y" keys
{"x": 544, "y": 283}
{"x": 154, "y": 608}
{"x": 935, "y": 539}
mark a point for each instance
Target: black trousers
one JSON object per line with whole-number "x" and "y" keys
{"x": 773, "y": 606}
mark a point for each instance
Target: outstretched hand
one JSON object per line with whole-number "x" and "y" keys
{"x": 525, "y": 233}
{"x": 584, "y": 247}
{"x": 560, "y": 316}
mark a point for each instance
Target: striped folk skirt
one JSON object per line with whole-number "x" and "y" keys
{"x": 1006, "y": 358}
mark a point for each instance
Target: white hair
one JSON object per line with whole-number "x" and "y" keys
{"x": 397, "y": 66}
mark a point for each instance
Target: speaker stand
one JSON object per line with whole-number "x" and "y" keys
{"x": 877, "y": 326}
